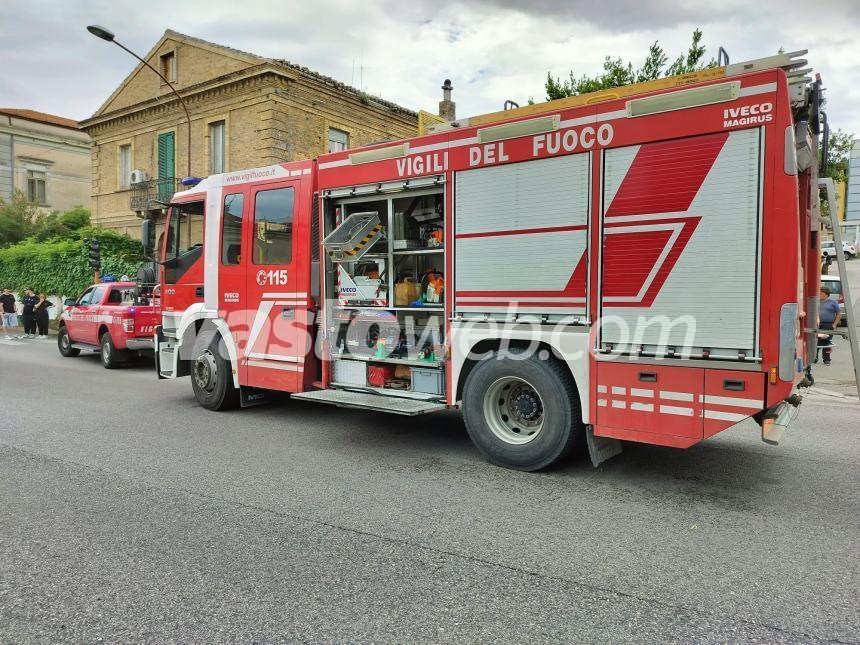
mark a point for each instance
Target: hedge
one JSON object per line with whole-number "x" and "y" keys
{"x": 60, "y": 267}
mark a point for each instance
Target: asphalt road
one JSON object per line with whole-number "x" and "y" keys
{"x": 129, "y": 514}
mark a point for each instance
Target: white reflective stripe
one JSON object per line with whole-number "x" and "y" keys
{"x": 287, "y": 367}
{"x": 619, "y": 390}
{"x": 294, "y": 294}
{"x": 306, "y": 171}
{"x": 467, "y": 299}
{"x": 619, "y": 404}
{"x": 601, "y": 403}
{"x": 724, "y": 416}
{"x": 277, "y": 357}
{"x": 634, "y": 391}
{"x": 292, "y": 303}
{"x": 334, "y": 164}
{"x": 259, "y": 320}
{"x": 602, "y": 389}
{"x": 756, "y": 404}
{"x": 757, "y": 89}
{"x": 644, "y": 407}
{"x": 671, "y": 409}
{"x": 676, "y": 396}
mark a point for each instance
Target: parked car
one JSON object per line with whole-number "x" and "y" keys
{"x": 828, "y": 249}
{"x": 108, "y": 318}
{"x": 834, "y": 283}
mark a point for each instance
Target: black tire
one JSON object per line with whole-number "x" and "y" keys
{"x": 560, "y": 431}
{"x": 64, "y": 343}
{"x": 110, "y": 355}
{"x": 212, "y": 374}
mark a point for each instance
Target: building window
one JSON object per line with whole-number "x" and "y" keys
{"x": 168, "y": 66}
{"x": 273, "y": 226}
{"x": 231, "y": 229}
{"x": 125, "y": 166}
{"x": 36, "y": 180}
{"x": 217, "y": 153}
{"x": 337, "y": 140}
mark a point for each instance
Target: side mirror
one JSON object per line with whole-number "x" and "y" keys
{"x": 147, "y": 237}
{"x": 69, "y": 302}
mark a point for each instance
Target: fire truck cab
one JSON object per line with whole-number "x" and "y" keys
{"x": 639, "y": 264}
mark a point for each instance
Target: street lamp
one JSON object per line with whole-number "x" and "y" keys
{"x": 107, "y": 35}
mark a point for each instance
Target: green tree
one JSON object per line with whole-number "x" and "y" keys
{"x": 17, "y": 217}
{"x": 838, "y": 155}
{"x": 617, "y": 73}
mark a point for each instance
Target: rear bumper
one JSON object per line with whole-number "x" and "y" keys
{"x": 140, "y": 344}
{"x": 776, "y": 420}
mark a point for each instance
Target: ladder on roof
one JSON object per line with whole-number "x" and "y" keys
{"x": 851, "y": 330}
{"x": 792, "y": 62}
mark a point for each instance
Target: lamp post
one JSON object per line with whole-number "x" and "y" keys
{"x": 107, "y": 35}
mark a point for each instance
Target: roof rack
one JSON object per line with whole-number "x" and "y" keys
{"x": 791, "y": 62}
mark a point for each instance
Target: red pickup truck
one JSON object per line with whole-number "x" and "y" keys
{"x": 108, "y": 318}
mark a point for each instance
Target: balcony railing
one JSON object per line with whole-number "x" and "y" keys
{"x": 159, "y": 189}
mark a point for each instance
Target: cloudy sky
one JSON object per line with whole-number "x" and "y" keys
{"x": 492, "y": 50}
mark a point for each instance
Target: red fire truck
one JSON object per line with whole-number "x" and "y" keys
{"x": 638, "y": 264}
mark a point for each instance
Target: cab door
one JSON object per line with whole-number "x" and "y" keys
{"x": 75, "y": 316}
{"x": 277, "y": 283}
{"x": 233, "y": 297}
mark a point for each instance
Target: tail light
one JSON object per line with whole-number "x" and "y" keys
{"x": 128, "y": 324}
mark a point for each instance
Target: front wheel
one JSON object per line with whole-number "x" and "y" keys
{"x": 212, "y": 374}
{"x": 522, "y": 413}
{"x": 64, "y": 343}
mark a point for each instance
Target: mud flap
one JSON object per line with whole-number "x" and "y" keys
{"x": 601, "y": 448}
{"x": 251, "y": 396}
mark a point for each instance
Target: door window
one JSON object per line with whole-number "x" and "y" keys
{"x": 97, "y": 294}
{"x": 86, "y": 297}
{"x": 273, "y": 226}
{"x": 231, "y": 229}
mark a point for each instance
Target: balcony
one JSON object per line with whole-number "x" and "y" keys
{"x": 159, "y": 189}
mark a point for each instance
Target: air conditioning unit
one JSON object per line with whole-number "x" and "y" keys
{"x": 138, "y": 177}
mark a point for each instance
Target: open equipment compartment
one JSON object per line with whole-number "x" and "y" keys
{"x": 384, "y": 289}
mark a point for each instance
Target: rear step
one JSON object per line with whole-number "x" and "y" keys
{"x": 367, "y": 401}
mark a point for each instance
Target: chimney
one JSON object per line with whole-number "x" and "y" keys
{"x": 447, "y": 107}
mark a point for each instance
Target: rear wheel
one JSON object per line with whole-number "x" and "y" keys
{"x": 64, "y": 343}
{"x": 111, "y": 356}
{"x": 522, "y": 413}
{"x": 212, "y": 374}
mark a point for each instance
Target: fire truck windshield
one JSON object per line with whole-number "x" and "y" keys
{"x": 184, "y": 244}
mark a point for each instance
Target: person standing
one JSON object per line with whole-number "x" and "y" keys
{"x": 8, "y": 313}
{"x": 29, "y": 301}
{"x": 42, "y": 316}
{"x": 828, "y": 318}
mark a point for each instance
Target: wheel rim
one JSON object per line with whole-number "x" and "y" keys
{"x": 64, "y": 340}
{"x": 206, "y": 371}
{"x": 105, "y": 351}
{"x": 514, "y": 410}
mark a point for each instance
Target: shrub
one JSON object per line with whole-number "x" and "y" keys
{"x": 60, "y": 266}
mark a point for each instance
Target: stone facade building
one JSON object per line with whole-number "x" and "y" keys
{"x": 46, "y": 157}
{"x": 246, "y": 111}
